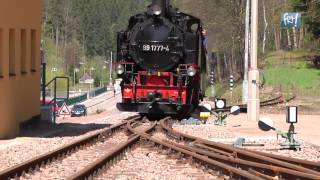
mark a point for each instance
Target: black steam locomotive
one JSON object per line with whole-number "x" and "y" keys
{"x": 162, "y": 61}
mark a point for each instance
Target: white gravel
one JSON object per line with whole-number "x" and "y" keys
{"x": 24, "y": 148}
{"x": 205, "y": 131}
{"x": 27, "y": 148}
{"x": 77, "y": 161}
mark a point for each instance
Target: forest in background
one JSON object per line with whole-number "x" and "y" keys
{"x": 83, "y": 32}
{"x": 225, "y": 23}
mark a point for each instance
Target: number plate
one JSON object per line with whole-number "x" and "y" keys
{"x": 155, "y": 48}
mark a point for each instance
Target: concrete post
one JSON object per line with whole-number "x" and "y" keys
{"x": 253, "y": 99}
{"x": 246, "y": 57}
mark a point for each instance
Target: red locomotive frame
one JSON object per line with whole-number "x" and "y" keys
{"x": 161, "y": 92}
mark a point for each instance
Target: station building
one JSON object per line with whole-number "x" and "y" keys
{"x": 20, "y": 27}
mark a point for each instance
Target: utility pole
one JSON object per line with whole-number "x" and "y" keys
{"x": 43, "y": 77}
{"x": 110, "y": 78}
{"x": 253, "y": 99}
{"x": 246, "y": 56}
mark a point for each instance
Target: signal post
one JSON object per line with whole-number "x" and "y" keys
{"x": 253, "y": 95}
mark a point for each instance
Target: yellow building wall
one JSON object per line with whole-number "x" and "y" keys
{"x": 19, "y": 93}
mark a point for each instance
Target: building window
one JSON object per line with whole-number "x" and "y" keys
{"x": 23, "y": 51}
{"x": 12, "y": 52}
{"x": 33, "y": 50}
{"x": 1, "y": 55}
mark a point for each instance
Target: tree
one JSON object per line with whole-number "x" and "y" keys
{"x": 82, "y": 30}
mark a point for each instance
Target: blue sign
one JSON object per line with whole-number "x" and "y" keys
{"x": 291, "y": 20}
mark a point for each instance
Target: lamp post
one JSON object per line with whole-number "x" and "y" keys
{"x": 91, "y": 69}
{"x": 110, "y": 68}
{"x": 102, "y": 76}
{"x": 75, "y": 70}
{"x": 84, "y": 70}
{"x": 107, "y": 63}
{"x": 53, "y": 70}
{"x": 110, "y": 78}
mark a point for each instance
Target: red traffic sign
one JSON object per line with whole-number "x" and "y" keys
{"x": 64, "y": 110}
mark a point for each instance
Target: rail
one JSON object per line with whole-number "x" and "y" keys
{"x": 93, "y": 168}
{"x": 31, "y": 164}
{"x": 267, "y": 165}
{"x": 270, "y": 102}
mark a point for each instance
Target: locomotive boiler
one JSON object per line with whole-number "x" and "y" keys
{"x": 161, "y": 59}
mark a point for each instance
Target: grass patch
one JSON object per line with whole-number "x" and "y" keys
{"x": 219, "y": 90}
{"x": 223, "y": 91}
{"x": 291, "y": 72}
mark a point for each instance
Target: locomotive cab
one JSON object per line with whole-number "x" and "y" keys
{"x": 160, "y": 59}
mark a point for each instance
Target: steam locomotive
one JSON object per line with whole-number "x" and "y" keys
{"x": 162, "y": 61}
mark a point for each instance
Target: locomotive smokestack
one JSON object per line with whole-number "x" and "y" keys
{"x": 163, "y": 4}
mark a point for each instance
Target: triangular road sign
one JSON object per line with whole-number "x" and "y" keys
{"x": 64, "y": 110}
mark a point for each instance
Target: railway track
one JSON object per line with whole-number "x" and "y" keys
{"x": 271, "y": 102}
{"x": 263, "y": 165}
{"x": 215, "y": 158}
{"x": 34, "y": 164}
{"x": 100, "y": 165}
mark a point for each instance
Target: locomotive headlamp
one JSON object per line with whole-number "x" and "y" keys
{"x": 120, "y": 69}
{"x": 191, "y": 71}
{"x": 220, "y": 103}
{"x": 292, "y": 114}
{"x": 156, "y": 10}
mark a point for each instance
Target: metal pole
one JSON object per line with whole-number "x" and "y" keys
{"x": 101, "y": 78}
{"x": 253, "y": 99}
{"x": 246, "y": 57}
{"x": 90, "y": 82}
{"x": 55, "y": 101}
{"x": 68, "y": 88}
{"x": 51, "y": 91}
{"x": 44, "y": 66}
{"x": 74, "y": 79}
{"x": 110, "y": 78}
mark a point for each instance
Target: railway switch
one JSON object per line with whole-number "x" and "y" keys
{"x": 291, "y": 136}
{"x": 291, "y": 142}
{"x": 220, "y": 105}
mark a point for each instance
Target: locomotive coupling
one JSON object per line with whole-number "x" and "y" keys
{"x": 154, "y": 96}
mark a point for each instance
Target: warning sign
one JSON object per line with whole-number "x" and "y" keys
{"x": 64, "y": 110}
